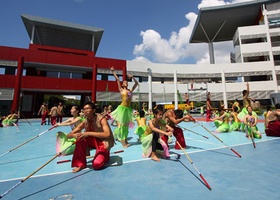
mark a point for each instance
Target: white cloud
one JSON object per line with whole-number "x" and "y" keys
{"x": 141, "y": 59}
{"x": 177, "y": 47}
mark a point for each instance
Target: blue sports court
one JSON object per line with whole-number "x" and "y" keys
{"x": 130, "y": 176}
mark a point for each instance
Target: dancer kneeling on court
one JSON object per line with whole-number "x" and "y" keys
{"x": 173, "y": 118}
{"x": 153, "y": 142}
{"x": 273, "y": 122}
{"x": 221, "y": 122}
{"x": 98, "y": 135}
{"x": 251, "y": 121}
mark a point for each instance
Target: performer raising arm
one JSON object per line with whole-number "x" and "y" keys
{"x": 123, "y": 114}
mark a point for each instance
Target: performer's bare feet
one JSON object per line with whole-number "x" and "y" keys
{"x": 125, "y": 143}
{"x": 154, "y": 157}
{"x": 77, "y": 169}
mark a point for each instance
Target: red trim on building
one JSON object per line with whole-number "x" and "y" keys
{"x": 62, "y": 58}
{"x": 17, "y": 87}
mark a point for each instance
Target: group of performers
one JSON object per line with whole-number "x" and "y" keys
{"x": 246, "y": 119}
{"x": 154, "y": 136}
{"x": 154, "y": 131}
{"x": 235, "y": 119}
{"x": 54, "y": 115}
{"x": 228, "y": 121}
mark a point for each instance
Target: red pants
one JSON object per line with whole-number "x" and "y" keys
{"x": 165, "y": 139}
{"x": 53, "y": 120}
{"x": 44, "y": 117}
{"x": 101, "y": 156}
{"x": 179, "y": 135}
{"x": 273, "y": 129}
{"x": 208, "y": 115}
{"x": 59, "y": 118}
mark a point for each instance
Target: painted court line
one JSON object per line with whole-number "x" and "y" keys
{"x": 143, "y": 159}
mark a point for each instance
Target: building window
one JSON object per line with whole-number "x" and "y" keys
{"x": 253, "y": 40}
{"x": 52, "y": 74}
{"x": 137, "y": 78}
{"x": 99, "y": 77}
{"x": 64, "y": 75}
{"x": 2, "y": 70}
{"x": 112, "y": 78}
{"x": 144, "y": 79}
{"x": 23, "y": 72}
{"x": 156, "y": 79}
{"x": 77, "y": 76}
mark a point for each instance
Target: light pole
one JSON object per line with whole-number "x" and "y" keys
{"x": 149, "y": 71}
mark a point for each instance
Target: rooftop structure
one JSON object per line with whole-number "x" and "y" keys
{"x": 49, "y": 32}
{"x": 219, "y": 23}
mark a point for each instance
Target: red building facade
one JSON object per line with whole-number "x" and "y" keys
{"x": 55, "y": 48}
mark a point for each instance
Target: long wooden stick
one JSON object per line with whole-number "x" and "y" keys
{"x": 193, "y": 132}
{"x": 27, "y": 141}
{"x": 217, "y": 137}
{"x": 25, "y": 118}
{"x": 206, "y": 183}
{"x": 21, "y": 181}
{"x": 204, "y": 142}
{"x": 88, "y": 157}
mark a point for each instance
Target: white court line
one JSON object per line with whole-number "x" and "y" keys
{"x": 140, "y": 160}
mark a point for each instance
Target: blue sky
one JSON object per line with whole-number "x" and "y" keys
{"x": 149, "y": 30}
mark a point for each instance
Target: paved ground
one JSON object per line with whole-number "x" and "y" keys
{"x": 130, "y": 176}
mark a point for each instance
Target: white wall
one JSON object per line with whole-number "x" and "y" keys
{"x": 167, "y": 70}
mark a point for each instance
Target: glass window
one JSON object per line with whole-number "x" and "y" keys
{"x": 137, "y": 78}
{"x": 64, "y": 75}
{"x": 23, "y": 72}
{"x": 98, "y": 77}
{"x": 76, "y": 75}
{"x": 112, "y": 78}
{"x": 144, "y": 79}
{"x": 2, "y": 70}
{"x": 52, "y": 74}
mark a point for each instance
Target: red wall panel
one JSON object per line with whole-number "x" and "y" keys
{"x": 59, "y": 56}
{"x": 59, "y": 84}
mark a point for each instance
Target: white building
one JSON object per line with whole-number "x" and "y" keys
{"x": 254, "y": 29}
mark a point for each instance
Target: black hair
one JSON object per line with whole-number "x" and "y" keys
{"x": 178, "y": 113}
{"x": 277, "y": 106}
{"x": 249, "y": 107}
{"x": 77, "y": 107}
{"x": 268, "y": 107}
{"x": 142, "y": 113}
{"x": 91, "y": 104}
{"x": 235, "y": 109}
{"x": 157, "y": 109}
